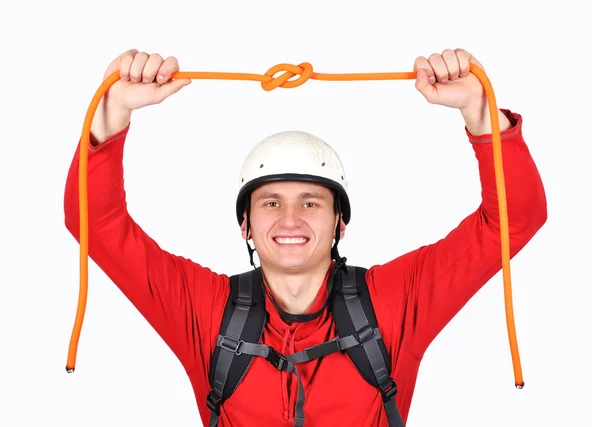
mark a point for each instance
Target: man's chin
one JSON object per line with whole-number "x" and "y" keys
{"x": 291, "y": 265}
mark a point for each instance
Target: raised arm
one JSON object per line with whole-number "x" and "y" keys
{"x": 431, "y": 284}
{"x": 166, "y": 289}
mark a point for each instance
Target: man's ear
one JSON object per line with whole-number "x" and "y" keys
{"x": 244, "y": 227}
{"x": 342, "y": 229}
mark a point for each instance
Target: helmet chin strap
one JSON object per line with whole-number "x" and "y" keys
{"x": 250, "y": 250}
{"x": 340, "y": 262}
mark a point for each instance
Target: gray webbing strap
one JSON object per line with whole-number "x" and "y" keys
{"x": 234, "y": 331}
{"x": 359, "y": 319}
{"x": 393, "y": 415}
{"x": 329, "y": 347}
{"x": 214, "y": 419}
{"x": 237, "y": 347}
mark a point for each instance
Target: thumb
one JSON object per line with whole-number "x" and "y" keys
{"x": 172, "y": 87}
{"x": 424, "y": 87}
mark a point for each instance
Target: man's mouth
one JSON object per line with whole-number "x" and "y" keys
{"x": 290, "y": 240}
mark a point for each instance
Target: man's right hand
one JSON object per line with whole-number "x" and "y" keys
{"x": 145, "y": 80}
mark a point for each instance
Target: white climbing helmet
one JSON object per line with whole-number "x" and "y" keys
{"x": 292, "y": 156}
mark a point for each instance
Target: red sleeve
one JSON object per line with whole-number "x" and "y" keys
{"x": 174, "y": 294}
{"x": 431, "y": 284}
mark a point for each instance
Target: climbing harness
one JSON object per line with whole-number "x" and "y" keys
{"x": 269, "y": 82}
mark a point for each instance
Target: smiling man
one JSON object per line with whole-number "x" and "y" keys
{"x": 290, "y": 183}
{"x": 303, "y": 339}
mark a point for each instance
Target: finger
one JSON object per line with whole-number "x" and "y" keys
{"x": 465, "y": 59}
{"x": 115, "y": 65}
{"x": 449, "y": 57}
{"x": 139, "y": 62}
{"x": 422, "y": 84}
{"x": 151, "y": 68}
{"x": 166, "y": 70}
{"x": 425, "y": 78}
{"x": 439, "y": 68}
{"x": 171, "y": 87}
{"x": 126, "y": 61}
{"x": 422, "y": 64}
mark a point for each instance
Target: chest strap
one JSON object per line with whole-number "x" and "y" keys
{"x": 280, "y": 362}
{"x": 333, "y": 346}
{"x": 287, "y": 363}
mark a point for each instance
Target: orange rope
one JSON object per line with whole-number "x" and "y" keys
{"x": 268, "y": 83}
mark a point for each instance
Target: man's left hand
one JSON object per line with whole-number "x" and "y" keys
{"x": 445, "y": 79}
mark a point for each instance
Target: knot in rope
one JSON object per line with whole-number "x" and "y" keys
{"x": 304, "y": 70}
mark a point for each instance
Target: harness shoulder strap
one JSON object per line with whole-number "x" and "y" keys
{"x": 354, "y": 315}
{"x": 243, "y": 321}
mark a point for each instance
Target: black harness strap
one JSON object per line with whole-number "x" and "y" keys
{"x": 353, "y": 314}
{"x": 243, "y": 319}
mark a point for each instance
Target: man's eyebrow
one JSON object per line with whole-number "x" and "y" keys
{"x": 310, "y": 195}
{"x": 305, "y": 195}
{"x": 262, "y": 196}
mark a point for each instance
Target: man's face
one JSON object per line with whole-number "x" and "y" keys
{"x": 292, "y": 225}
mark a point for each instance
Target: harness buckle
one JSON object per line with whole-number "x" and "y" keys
{"x": 276, "y": 359}
{"x": 388, "y": 390}
{"x": 213, "y": 403}
{"x": 231, "y": 344}
{"x": 348, "y": 290}
{"x": 242, "y": 300}
{"x": 364, "y": 335}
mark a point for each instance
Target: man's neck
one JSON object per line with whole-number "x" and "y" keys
{"x": 295, "y": 292}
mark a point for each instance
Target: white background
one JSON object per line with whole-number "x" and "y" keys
{"x": 412, "y": 172}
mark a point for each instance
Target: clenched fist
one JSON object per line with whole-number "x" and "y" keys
{"x": 145, "y": 79}
{"x": 445, "y": 79}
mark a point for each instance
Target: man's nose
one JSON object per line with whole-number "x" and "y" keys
{"x": 291, "y": 216}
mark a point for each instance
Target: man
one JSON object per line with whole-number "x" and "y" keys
{"x": 293, "y": 223}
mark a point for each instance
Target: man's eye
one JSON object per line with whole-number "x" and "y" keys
{"x": 310, "y": 204}
{"x": 272, "y": 204}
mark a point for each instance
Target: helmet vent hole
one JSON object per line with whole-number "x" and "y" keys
{"x": 242, "y": 179}
{"x": 342, "y": 176}
{"x": 261, "y": 166}
{"x": 323, "y": 164}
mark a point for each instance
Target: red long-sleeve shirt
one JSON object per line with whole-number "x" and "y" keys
{"x": 414, "y": 296}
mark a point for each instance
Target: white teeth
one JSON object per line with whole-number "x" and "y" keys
{"x": 290, "y": 241}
